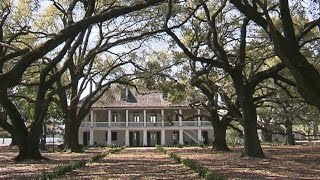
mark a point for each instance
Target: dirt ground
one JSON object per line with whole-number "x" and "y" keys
{"x": 9, "y": 169}
{"x": 298, "y": 162}
{"x": 281, "y": 162}
{"x": 134, "y": 163}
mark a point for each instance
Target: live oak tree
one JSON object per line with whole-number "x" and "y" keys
{"x": 215, "y": 40}
{"x": 21, "y": 59}
{"x": 289, "y": 40}
{"x": 101, "y": 56}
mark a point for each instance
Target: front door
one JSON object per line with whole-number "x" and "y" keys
{"x": 86, "y": 137}
{"x": 134, "y": 139}
{"x": 153, "y": 138}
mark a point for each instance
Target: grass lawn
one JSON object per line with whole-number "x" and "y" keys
{"x": 281, "y": 162}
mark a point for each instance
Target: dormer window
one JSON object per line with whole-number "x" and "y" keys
{"x": 164, "y": 95}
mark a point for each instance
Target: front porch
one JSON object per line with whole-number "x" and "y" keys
{"x": 144, "y": 137}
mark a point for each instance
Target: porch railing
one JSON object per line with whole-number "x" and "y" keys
{"x": 148, "y": 124}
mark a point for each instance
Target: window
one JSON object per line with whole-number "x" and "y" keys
{"x": 135, "y": 136}
{"x": 114, "y": 118}
{"x": 153, "y": 118}
{"x": 153, "y": 136}
{"x": 114, "y": 136}
{"x": 175, "y": 135}
{"x": 136, "y": 118}
{"x": 107, "y": 136}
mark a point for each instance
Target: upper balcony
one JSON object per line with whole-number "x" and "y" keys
{"x": 146, "y": 124}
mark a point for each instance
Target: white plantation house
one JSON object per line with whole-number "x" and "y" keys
{"x": 124, "y": 117}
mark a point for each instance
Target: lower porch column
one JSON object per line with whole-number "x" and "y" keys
{"x": 163, "y": 137}
{"x": 180, "y": 136}
{"x": 109, "y": 138}
{"x": 91, "y": 140}
{"x": 200, "y": 135}
{"x": 145, "y": 139}
{"x": 126, "y": 141}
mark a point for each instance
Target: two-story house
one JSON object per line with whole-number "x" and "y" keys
{"x": 125, "y": 117}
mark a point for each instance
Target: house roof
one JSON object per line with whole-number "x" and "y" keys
{"x": 114, "y": 99}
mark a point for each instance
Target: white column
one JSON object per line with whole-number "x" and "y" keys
{"x": 163, "y": 137}
{"x": 144, "y": 118}
{"x": 180, "y": 117}
{"x": 126, "y": 142}
{"x": 162, "y": 117}
{"x": 109, "y": 138}
{"x": 91, "y": 118}
{"x": 180, "y": 136}
{"x": 145, "y": 139}
{"x": 127, "y": 118}
{"x": 109, "y": 118}
{"x": 199, "y": 118}
{"x": 91, "y": 140}
{"x": 199, "y": 135}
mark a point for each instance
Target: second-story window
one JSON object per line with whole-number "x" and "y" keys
{"x": 136, "y": 118}
{"x": 153, "y": 118}
{"x": 114, "y": 118}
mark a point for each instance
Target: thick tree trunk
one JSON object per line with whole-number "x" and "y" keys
{"x": 289, "y": 133}
{"x": 29, "y": 151}
{"x": 252, "y": 146}
{"x": 71, "y": 139}
{"x": 219, "y": 137}
{"x": 29, "y": 147}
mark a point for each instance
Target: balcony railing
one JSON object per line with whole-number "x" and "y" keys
{"x": 148, "y": 124}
